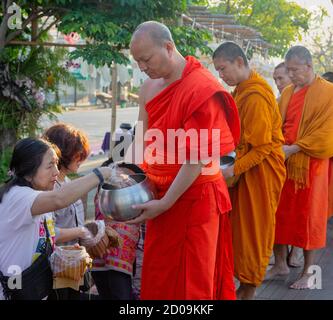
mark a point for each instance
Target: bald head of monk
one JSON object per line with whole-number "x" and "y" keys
{"x": 280, "y": 76}
{"x": 299, "y": 65}
{"x": 231, "y": 63}
{"x": 154, "y": 50}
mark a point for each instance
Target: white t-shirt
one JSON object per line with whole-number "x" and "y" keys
{"x": 22, "y": 236}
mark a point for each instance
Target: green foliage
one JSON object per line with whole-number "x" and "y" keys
{"x": 198, "y": 2}
{"x": 192, "y": 41}
{"x": 43, "y": 67}
{"x": 108, "y": 28}
{"x": 106, "y": 25}
{"x": 5, "y": 158}
{"x": 281, "y": 22}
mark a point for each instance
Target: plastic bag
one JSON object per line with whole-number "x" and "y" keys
{"x": 97, "y": 231}
{"x": 70, "y": 262}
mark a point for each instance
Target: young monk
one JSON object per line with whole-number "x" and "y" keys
{"x": 188, "y": 249}
{"x": 307, "y": 113}
{"x": 260, "y": 165}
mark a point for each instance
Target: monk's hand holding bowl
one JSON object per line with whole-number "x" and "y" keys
{"x": 150, "y": 210}
{"x": 228, "y": 172}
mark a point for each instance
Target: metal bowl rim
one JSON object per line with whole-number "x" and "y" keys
{"x": 146, "y": 179}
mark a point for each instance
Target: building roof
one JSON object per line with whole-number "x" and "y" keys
{"x": 224, "y": 27}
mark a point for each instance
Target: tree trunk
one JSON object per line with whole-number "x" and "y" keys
{"x": 34, "y": 29}
{"x": 114, "y": 105}
{"x": 7, "y": 138}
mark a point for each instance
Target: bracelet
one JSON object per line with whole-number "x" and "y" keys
{"x": 99, "y": 175}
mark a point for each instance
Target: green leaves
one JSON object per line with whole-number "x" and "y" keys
{"x": 100, "y": 54}
{"x": 280, "y": 22}
{"x": 191, "y": 41}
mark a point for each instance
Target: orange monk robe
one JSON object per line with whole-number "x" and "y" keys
{"x": 330, "y": 189}
{"x": 260, "y": 164}
{"x": 188, "y": 249}
{"x": 301, "y": 218}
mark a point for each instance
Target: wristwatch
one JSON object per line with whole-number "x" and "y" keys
{"x": 99, "y": 175}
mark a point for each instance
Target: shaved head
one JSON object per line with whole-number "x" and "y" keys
{"x": 299, "y": 66}
{"x": 299, "y": 52}
{"x": 154, "y": 50}
{"x": 280, "y": 65}
{"x": 230, "y": 51}
{"x": 158, "y": 32}
{"x": 280, "y": 76}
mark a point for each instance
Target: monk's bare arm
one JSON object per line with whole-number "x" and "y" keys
{"x": 184, "y": 179}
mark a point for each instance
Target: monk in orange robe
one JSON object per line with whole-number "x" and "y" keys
{"x": 188, "y": 248}
{"x": 307, "y": 113}
{"x": 259, "y": 164}
{"x": 329, "y": 77}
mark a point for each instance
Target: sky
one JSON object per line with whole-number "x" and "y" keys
{"x": 313, "y": 4}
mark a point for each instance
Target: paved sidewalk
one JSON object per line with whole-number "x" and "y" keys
{"x": 279, "y": 289}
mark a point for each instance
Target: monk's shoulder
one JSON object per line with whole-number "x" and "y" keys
{"x": 257, "y": 106}
{"x": 149, "y": 89}
{"x": 255, "y": 99}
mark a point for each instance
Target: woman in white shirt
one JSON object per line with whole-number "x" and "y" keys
{"x": 27, "y": 198}
{"x": 74, "y": 147}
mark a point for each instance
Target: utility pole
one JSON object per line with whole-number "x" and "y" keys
{"x": 114, "y": 105}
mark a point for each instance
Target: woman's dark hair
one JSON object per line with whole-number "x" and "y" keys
{"x": 26, "y": 159}
{"x": 72, "y": 143}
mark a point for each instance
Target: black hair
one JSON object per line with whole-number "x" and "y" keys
{"x": 26, "y": 159}
{"x": 328, "y": 76}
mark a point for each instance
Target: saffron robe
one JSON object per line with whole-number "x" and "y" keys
{"x": 308, "y": 122}
{"x": 260, "y": 165}
{"x": 330, "y": 189}
{"x": 188, "y": 249}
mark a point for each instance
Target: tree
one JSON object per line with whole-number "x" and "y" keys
{"x": 106, "y": 25}
{"x": 321, "y": 44}
{"x": 281, "y": 22}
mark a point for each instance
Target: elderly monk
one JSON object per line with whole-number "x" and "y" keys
{"x": 280, "y": 76}
{"x": 188, "y": 245}
{"x": 307, "y": 113}
{"x": 260, "y": 165}
{"x": 329, "y": 77}
{"x": 282, "y": 80}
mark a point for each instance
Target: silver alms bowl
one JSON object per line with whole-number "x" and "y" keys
{"x": 227, "y": 160}
{"x": 117, "y": 203}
